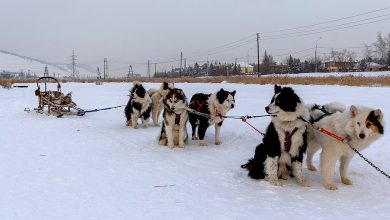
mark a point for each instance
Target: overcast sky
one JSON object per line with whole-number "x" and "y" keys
{"x": 132, "y": 32}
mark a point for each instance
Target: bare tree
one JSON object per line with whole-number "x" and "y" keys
{"x": 381, "y": 46}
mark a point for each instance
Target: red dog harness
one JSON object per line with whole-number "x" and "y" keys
{"x": 287, "y": 139}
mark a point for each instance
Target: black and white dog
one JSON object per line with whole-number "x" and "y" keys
{"x": 215, "y": 106}
{"x": 138, "y": 106}
{"x": 175, "y": 117}
{"x": 284, "y": 143}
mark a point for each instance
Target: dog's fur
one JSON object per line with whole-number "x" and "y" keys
{"x": 278, "y": 155}
{"x": 361, "y": 124}
{"x": 215, "y": 105}
{"x": 175, "y": 117}
{"x": 158, "y": 96}
{"x": 138, "y": 106}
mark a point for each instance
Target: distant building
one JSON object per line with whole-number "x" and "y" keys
{"x": 245, "y": 68}
{"x": 11, "y": 75}
{"x": 340, "y": 66}
{"x": 371, "y": 66}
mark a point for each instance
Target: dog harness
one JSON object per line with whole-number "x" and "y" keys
{"x": 200, "y": 105}
{"x": 177, "y": 119}
{"x": 287, "y": 139}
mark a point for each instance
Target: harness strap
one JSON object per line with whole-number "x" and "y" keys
{"x": 177, "y": 119}
{"x": 287, "y": 139}
{"x": 200, "y": 105}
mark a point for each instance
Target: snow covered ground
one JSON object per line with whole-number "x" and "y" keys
{"x": 93, "y": 167}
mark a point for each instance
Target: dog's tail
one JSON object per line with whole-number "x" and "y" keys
{"x": 248, "y": 165}
{"x": 334, "y": 107}
{"x": 256, "y": 169}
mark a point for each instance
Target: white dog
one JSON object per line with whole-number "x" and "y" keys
{"x": 157, "y": 97}
{"x": 174, "y": 127}
{"x": 362, "y": 125}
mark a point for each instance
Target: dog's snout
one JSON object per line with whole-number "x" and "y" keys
{"x": 362, "y": 136}
{"x": 267, "y": 109}
{"x": 232, "y": 106}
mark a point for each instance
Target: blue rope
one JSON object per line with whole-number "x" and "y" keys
{"x": 81, "y": 113}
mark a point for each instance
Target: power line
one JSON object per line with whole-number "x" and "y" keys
{"x": 325, "y": 22}
{"x": 329, "y": 27}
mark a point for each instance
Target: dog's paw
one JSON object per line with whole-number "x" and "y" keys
{"x": 346, "y": 181}
{"x": 276, "y": 182}
{"x": 330, "y": 186}
{"x": 145, "y": 126}
{"x": 311, "y": 167}
{"x": 285, "y": 176}
{"x": 195, "y": 138}
{"x": 163, "y": 142}
{"x": 203, "y": 144}
{"x": 128, "y": 123}
{"x": 181, "y": 145}
{"x": 304, "y": 183}
{"x": 156, "y": 125}
{"x": 218, "y": 142}
{"x": 170, "y": 145}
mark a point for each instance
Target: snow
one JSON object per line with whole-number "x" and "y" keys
{"x": 93, "y": 167}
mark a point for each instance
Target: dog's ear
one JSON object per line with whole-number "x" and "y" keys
{"x": 277, "y": 89}
{"x": 221, "y": 90}
{"x": 165, "y": 85}
{"x": 378, "y": 114}
{"x": 233, "y": 93}
{"x": 353, "y": 110}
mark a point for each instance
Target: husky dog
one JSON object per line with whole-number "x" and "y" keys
{"x": 215, "y": 106}
{"x": 360, "y": 124}
{"x": 175, "y": 117}
{"x": 157, "y": 97}
{"x": 138, "y": 106}
{"x": 284, "y": 143}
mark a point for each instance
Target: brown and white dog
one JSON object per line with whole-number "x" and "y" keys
{"x": 175, "y": 117}
{"x": 157, "y": 96}
{"x": 361, "y": 124}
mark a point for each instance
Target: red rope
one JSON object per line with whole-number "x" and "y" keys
{"x": 244, "y": 119}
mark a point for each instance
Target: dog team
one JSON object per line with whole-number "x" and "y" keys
{"x": 287, "y": 138}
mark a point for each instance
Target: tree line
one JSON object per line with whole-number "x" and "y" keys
{"x": 377, "y": 52}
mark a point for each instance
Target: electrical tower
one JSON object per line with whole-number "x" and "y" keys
{"x": 130, "y": 73}
{"x": 99, "y": 75}
{"x": 74, "y": 72}
{"x": 46, "y": 73}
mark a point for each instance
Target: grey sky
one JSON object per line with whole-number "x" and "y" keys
{"x": 131, "y": 32}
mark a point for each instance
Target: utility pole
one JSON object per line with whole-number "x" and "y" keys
{"x": 207, "y": 66}
{"x": 105, "y": 69}
{"x": 258, "y": 54}
{"x": 149, "y": 68}
{"x": 181, "y": 63}
{"x": 155, "y": 69}
{"x": 73, "y": 65}
{"x": 315, "y": 55}
{"x": 185, "y": 66}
